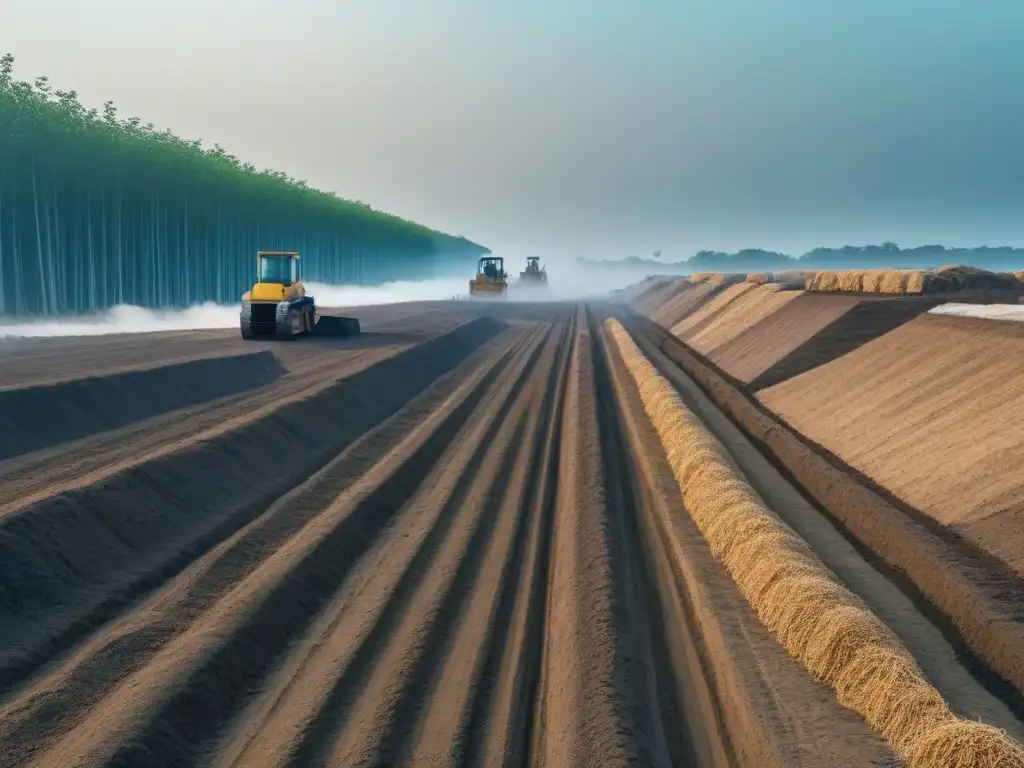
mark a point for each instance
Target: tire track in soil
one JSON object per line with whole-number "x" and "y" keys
{"x": 45, "y": 474}
{"x": 500, "y": 724}
{"x": 728, "y": 693}
{"x": 73, "y": 561}
{"x": 482, "y": 577}
{"x": 377, "y": 653}
{"x": 627, "y": 485}
{"x": 64, "y": 696}
{"x": 599, "y": 704}
{"x": 181, "y": 697}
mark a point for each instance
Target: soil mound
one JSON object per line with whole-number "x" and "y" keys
{"x": 697, "y": 320}
{"x": 750, "y": 353}
{"x": 637, "y": 291}
{"x": 931, "y": 412}
{"x": 856, "y": 325}
{"x": 948, "y": 279}
{"x": 67, "y": 561}
{"x": 740, "y": 315}
{"x": 41, "y": 416}
{"x": 684, "y": 301}
{"x": 658, "y": 292}
{"x": 812, "y": 613}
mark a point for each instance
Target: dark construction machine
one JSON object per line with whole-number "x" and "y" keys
{"x": 534, "y": 276}
{"x": 491, "y": 278}
{"x": 277, "y": 305}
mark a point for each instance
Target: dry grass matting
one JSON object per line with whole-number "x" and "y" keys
{"x": 814, "y": 616}
{"x": 908, "y": 282}
{"x": 981, "y": 604}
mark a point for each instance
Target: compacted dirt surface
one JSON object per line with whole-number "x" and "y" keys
{"x": 931, "y": 411}
{"x": 452, "y": 540}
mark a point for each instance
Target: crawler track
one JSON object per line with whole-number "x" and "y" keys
{"x": 460, "y": 546}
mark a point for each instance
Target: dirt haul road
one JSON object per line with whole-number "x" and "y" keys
{"x": 455, "y": 540}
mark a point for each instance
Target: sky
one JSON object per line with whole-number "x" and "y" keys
{"x": 598, "y": 128}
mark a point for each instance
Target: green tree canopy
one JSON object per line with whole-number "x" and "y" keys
{"x": 97, "y": 210}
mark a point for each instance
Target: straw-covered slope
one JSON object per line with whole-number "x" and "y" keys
{"x": 947, "y": 279}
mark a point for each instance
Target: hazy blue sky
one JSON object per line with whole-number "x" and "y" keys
{"x": 586, "y": 127}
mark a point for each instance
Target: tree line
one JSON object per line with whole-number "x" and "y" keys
{"x": 97, "y": 210}
{"x": 885, "y": 256}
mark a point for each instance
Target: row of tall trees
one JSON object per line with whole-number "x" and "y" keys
{"x": 885, "y": 256}
{"x": 96, "y": 210}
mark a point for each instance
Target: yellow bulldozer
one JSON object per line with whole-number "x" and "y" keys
{"x": 277, "y": 305}
{"x": 534, "y": 276}
{"x": 491, "y": 278}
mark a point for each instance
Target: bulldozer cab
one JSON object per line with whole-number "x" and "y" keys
{"x": 280, "y": 267}
{"x": 493, "y": 267}
{"x": 533, "y": 265}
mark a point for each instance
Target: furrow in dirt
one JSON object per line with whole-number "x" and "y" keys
{"x": 472, "y": 552}
{"x": 728, "y": 693}
{"x": 71, "y": 562}
{"x": 938, "y": 658}
{"x": 168, "y": 709}
{"x": 596, "y": 703}
{"x": 449, "y": 726}
{"x": 388, "y": 647}
{"x": 503, "y": 710}
{"x": 39, "y": 417}
{"x": 60, "y": 698}
{"x": 70, "y": 466}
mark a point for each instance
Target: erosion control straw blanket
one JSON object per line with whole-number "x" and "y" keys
{"x": 812, "y": 614}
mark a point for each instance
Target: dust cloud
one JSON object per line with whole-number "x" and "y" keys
{"x": 566, "y": 282}
{"x": 133, "y": 319}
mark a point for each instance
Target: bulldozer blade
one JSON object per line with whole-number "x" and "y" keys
{"x": 327, "y": 325}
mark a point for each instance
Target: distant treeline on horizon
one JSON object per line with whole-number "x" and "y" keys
{"x": 98, "y": 210}
{"x": 884, "y": 256}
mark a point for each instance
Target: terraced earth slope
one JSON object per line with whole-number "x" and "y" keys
{"x": 454, "y": 540}
{"x": 763, "y": 333}
{"x": 932, "y": 412}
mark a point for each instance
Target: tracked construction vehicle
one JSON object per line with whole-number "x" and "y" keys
{"x": 277, "y": 305}
{"x": 534, "y": 276}
{"x": 491, "y": 279}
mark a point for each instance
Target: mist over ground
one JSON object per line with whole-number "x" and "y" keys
{"x": 127, "y": 318}
{"x": 1014, "y": 312}
{"x": 566, "y": 282}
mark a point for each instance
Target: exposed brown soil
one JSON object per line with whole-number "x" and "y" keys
{"x": 867, "y": 319}
{"x": 456, "y": 542}
{"x": 932, "y": 412}
{"x": 745, "y": 312}
{"x": 763, "y": 334}
{"x": 660, "y": 290}
{"x": 979, "y": 598}
{"x": 686, "y": 299}
{"x": 707, "y": 311}
{"x": 774, "y": 338}
{"x": 39, "y": 416}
